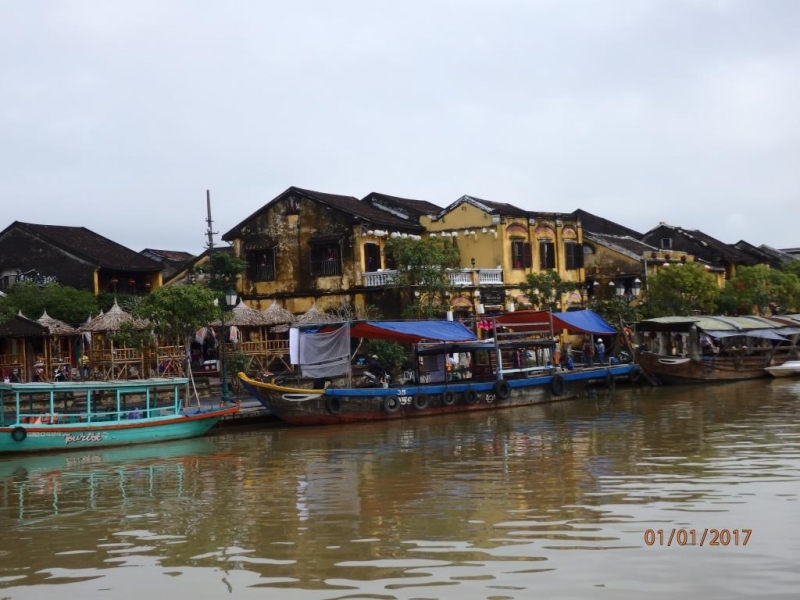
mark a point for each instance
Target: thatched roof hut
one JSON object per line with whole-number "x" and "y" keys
{"x": 243, "y": 316}
{"x": 55, "y": 326}
{"x": 113, "y": 320}
{"x": 278, "y": 315}
{"x": 313, "y": 316}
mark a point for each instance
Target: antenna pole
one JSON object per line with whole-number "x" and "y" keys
{"x": 209, "y": 232}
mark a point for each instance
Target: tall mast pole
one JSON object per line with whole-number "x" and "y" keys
{"x": 209, "y": 232}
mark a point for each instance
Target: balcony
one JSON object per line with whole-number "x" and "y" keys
{"x": 458, "y": 277}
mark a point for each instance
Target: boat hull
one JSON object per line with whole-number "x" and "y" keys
{"x": 788, "y": 369}
{"x": 680, "y": 370}
{"x": 299, "y": 406}
{"x": 25, "y": 437}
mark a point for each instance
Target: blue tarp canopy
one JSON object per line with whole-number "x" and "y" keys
{"x": 413, "y": 332}
{"x": 582, "y": 321}
{"x": 577, "y": 321}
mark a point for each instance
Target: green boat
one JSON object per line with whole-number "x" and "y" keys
{"x": 42, "y": 417}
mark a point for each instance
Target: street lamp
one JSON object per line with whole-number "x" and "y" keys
{"x": 636, "y": 288}
{"x": 230, "y": 301}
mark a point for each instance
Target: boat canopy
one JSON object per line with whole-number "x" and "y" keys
{"x": 576, "y": 321}
{"x": 709, "y": 323}
{"x": 413, "y": 332}
{"x": 766, "y": 334}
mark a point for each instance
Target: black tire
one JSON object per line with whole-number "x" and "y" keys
{"x": 391, "y": 404}
{"x": 420, "y": 401}
{"x": 636, "y": 374}
{"x": 471, "y": 396}
{"x": 557, "y": 385}
{"x": 18, "y": 434}
{"x": 611, "y": 381}
{"x": 502, "y": 390}
{"x": 448, "y": 398}
{"x": 333, "y": 405}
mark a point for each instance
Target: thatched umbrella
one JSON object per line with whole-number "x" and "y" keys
{"x": 55, "y": 326}
{"x": 243, "y": 316}
{"x": 278, "y": 315}
{"x": 113, "y": 320}
{"x": 313, "y": 316}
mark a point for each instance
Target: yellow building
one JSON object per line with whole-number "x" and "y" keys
{"x": 500, "y": 244}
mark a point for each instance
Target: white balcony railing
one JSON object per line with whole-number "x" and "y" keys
{"x": 490, "y": 277}
{"x": 378, "y": 278}
{"x": 458, "y": 278}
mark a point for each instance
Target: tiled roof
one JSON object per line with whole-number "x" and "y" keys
{"x": 491, "y": 207}
{"x": 419, "y": 207}
{"x": 90, "y": 246}
{"x": 348, "y": 204}
{"x": 631, "y": 246}
{"x": 19, "y": 326}
{"x": 595, "y": 224}
{"x": 175, "y": 256}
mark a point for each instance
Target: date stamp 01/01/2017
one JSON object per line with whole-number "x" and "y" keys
{"x": 680, "y": 536}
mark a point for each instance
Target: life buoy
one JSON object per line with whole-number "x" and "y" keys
{"x": 557, "y": 385}
{"x": 471, "y": 396}
{"x": 502, "y": 389}
{"x": 421, "y": 401}
{"x": 635, "y": 374}
{"x": 18, "y": 434}
{"x": 333, "y": 405}
{"x": 611, "y": 381}
{"x": 448, "y": 398}
{"x": 391, "y": 404}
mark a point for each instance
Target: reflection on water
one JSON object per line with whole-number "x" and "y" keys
{"x": 552, "y": 500}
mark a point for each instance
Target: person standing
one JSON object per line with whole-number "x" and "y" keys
{"x": 600, "y": 351}
{"x": 588, "y": 353}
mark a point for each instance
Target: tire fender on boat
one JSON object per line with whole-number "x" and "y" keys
{"x": 611, "y": 381}
{"x": 18, "y": 434}
{"x": 471, "y": 396}
{"x": 557, "y": 385}
{"x": 421, "y": 401}
{"x": 635, "y": 374}
{"x": 391, "y": 404}
{"x": 333, "y": 405}
{"x": 448, "y": 398}
{"x": 502, "y": 390}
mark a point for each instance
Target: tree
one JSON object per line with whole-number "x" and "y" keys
{"x": 681, "y": 289}
{"x": 546, "y": 289}
{"x": 792, "y": 267}
{"x": 178, "y": 311}
{"x": 760, "y": 290}
{"x": 67, "y": 304}
{"x": 223, "y": 269}
{"x": 422, "y": 273}
{"x": 615, "y": 309}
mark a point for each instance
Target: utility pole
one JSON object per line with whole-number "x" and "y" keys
{"x": 209, "y": 232}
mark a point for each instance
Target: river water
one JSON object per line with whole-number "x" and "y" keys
{"x": 593, "y": 498}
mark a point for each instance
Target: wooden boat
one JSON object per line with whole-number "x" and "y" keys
{"x": 676, "y": 350}
{"x": 38, "y": 417}
{"x": 488, "y": 375}
{"x": 788, "y": 369}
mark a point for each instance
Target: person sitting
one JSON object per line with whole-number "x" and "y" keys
{"x": 376, "y": 369}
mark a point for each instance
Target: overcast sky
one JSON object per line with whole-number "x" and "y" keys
{"x": 118, "y": 116}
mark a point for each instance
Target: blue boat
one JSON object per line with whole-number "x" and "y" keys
{"x": 514, "y": 368}
{"x": 58, "y": 416}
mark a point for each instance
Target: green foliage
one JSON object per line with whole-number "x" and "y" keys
{"x": 792, "y": 267}
{"x": 546, "y": 289}
{"x": 760, "y": 290}
{"x": 223, "y": 269}
{"x": 128, "y": 336}
{"x": 421, "y": 268}
{"x": 6, "y": 309}
{"x": 615, "y": 309}
{"x": 390, "y": 354}
{"x": 127, "y": 302}
{"x": 177, "y": 311}
{"x": 680, "y": 289}
{"x": 234, "y": 363}
{"x": 67, "y": 304}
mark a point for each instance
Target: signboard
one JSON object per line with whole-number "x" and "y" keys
{"x": 493, "y": 296}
